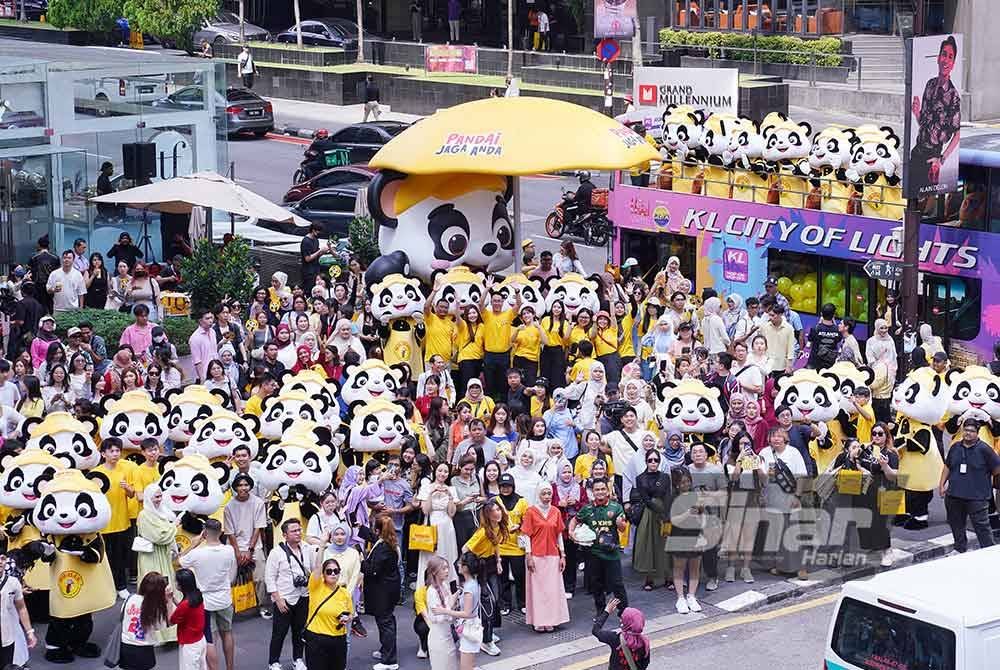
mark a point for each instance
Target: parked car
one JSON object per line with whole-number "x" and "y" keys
{"x": 332, "y": 207}
{"x": 105, "y": 96}
{"x": 224, "y": 28}
{"x": 242, "y": 109}
{"x": 33, "y": 9}
{"x": 331, "y": 32}
{"x": 329, "y": 179}
{"x": 357, "y": 143}
{"x": 10, "y": 120}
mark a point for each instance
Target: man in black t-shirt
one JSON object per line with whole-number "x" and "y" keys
{"x": 967, "y": 486}
{"x": 824, "y": 340}
{"x": 42, "y": 264}
{"x": 310, "y": 251}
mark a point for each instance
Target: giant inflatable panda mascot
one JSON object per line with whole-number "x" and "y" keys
{"x": 921, "y": 402}
{"x": 692, "y": 408}
{"x": 398, "y": 305}
{"x": 21, "y": 480}
{"x": 133, "y": 418}
{"x": 297, "y": 470}
{"x": 434, "y": 222}
{"x": 71, "y": 514}
{"x": 69, "y": 439}
{"x": 813, "y": 397}
{"x": 187, "y": 405}
{"x": 192, "y": 488}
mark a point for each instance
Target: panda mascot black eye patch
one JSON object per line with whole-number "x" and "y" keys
{"x": 449, "y": 230}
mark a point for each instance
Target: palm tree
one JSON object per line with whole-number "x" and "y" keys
{"x": 361, "y": 32}
{"x": 298, "y": 22}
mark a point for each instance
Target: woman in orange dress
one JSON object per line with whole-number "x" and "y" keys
{"x": 545, "y": 559}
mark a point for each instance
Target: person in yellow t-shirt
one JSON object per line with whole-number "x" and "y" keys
{"x": 117, "y": 534}
{"x": 604, "y": 335}
{"x": 625, "y": 315}
{"x": 864, "y": 420}
{"x": 266, "y": 387}
{"x": 146, "y": 472}
{"x": 329, "y": 618}
{"x": 441, "y": 332}
{"x": 527, "y": 341}
{"x": 580, "y": 333}
{"x": 594, "y": 448}
{"x": 420, "y": 625}
{"x": 470, "y": 343}
{"x": 580, "y": 372}
{"x": 498, "y": 322}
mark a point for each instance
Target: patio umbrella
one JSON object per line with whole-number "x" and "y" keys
{"x": 515, "y": 136}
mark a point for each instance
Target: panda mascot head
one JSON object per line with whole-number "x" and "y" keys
{"x": 284, "y": 409}
{"x": 193, "y": 484}
{"x": 72, "y": 504}
{"x": 397, "y": 297}
{"x": 530, "y": 292}
{"x": 187, "y": 406}
{"x": 976, "y": 391}
{"x": 924, "y": 396}
{"x": 847, "y": 378}
{"x": 690, "y": 407}
{"x": 745, "y": 142}
{"x": 133, "y": 418}
{"x": 379, "y": 425}
{"x": 322, "y": 390}
{"x": 719, "y": 131}
{"x": 831, "y": 149}
{"x": 810, "y": 396}
{"x": 442, "y": 220}
{"x": 460, "y": 287}
{"x": 23, "y": 476}
{"x": 308, "y": 432}
{"x": 786, "y": 142}
{"x": 65, "y": 437}
{"x": 683, "y": 127}
{"x": 875, "y": 152}
{"x": 921, "y": 401}
{"x": 371, "y": 380}
{"x": 575, "y": 292}
{"x": 296, "y": 462}
{"x": 216, "y": 435}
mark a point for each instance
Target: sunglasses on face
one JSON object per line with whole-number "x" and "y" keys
{"x": 878, "y": 432}
{"x": 652, "y": 460}
{"x": 331, "y": 571}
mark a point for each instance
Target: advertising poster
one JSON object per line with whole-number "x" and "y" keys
{"x": 930, "y": 158}
{"x": 614, "y": 18}
{"x": 450, "y": 58}
{"x": 711, "y": 89}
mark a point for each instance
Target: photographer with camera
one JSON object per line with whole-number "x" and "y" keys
{"x": 287, "y": 578}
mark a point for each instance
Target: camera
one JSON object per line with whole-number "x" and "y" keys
{"x": 613, "y": 412}
{"x": 300, "y": 581}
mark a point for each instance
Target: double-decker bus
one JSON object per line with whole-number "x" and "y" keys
{"x": 819, "y": 256}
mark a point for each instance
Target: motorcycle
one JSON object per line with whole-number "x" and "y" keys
{"x": 313, "y": 158}
{"x": 593, "y": 226}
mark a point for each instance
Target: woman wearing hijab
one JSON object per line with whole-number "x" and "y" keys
{"x": 370, "y": 488}
{"x": 40, "y": 345}
{"x": 511, "y": 553}
{"x": 303, "y": 359}
{"x": 880, "y": 350}
{"x": 569, "y": 497}
{"x": 660, "y": 340}
{"x": 550, "y": 465}
{"x": 526, "y": 475}
{"x": 343, "y": 547}
{"x": 650, "y": 505}
{"x": 739, "y": 326}
{"x": 930, "y": 344}
{"x": 673, "y": 448}
{"x": 545, "y": 559}
{"x": 713, "y": 328}
{"x": 634, "y": 393}
{"x": 675, "y": 280}
{"x": 586, "y": 394}
{"x": 626, "y": 643}
{"x": 344, "y": 340}
{"x": 286, "y": 347}
{"x": 158, "y": 526}
{"x": 279, "y": 297}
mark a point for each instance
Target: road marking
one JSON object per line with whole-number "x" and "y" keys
{"x": 714, "y": 627}
{"x": 287, "y": 139}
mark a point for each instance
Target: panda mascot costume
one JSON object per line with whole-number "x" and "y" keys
{"x": 876, "y": 171}
{"x": 193, "y": 489}
{"x": 218, "y": 434}
{"x": 280, "y": 412}
{"x": 829, "y": 158}
{"x": 132, "y": 418}
{"x": 71, "y": 514}
{"x": 848, "y": 378}
{"x": 814, "y": 398}
{"x": 575, "y": 292}
{"x": 296, "y": 471}
{"x": 21, "y": 480}
{"x": 921, "y": 402}
{"x": 62, "y": 435}
{"x": 187, "y": 405}
{"x": 683, "y": 127}
{"x": 693, "y": 409}
{"x": 518, "y": 286}
{"x": 321, "y": 390}
{"x": 746, "y": 151}
{"x": 786, "y": 150}
{"x": 378, "y": 426}
{"x": 975, "y": 393}
{"x": 718, "y": 173}
{"x": 398, "y": 305}
{"x": 460, "y": 287}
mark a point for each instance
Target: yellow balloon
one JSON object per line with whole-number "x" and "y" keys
{"x": 784, "y": 283}
{"x": 795, "y": 291}
{"x": 809, "y": 287}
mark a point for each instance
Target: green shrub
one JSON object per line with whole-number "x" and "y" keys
{"x": 363, "y": 235}
{"x": 110, "y": 324}
{"x": 718, "y": 45}
{"x": 212, "y": 274}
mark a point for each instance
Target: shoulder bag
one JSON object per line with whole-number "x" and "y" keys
{"x": 113, "y": 647}
{"x": 305, "y": 629}
{"x": 626, "y": 652}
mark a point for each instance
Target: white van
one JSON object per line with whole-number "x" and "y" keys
{"x": 938, "y": 615}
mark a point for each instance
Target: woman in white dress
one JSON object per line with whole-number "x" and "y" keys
{"x": 440, "y": 645}
{"x": 437, "y": 500}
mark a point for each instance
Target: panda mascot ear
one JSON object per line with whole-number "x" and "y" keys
{"x": 354, "y": 406}
{"x": 396, "y": 262}
{"x": 28, "y": 424}
{"x": 869, "y": 374}
{"x": 223, "y": 470}
{"x": 254, "y": 422}
{"x": 949, "y": 377}
{"x": 219, "y": 393}
{"x": 165, "y": 461}
{"x": 6, "y": 462}
{"x": 335, "y": 383}
{"x": 286, "y": 376}
{"x": 169, "y": 394}
{"x": 404, "y": 373}
{"x": 831, "y": 376}
{"x": 348, "y": 367}
{"x": 805, "y": 125}
{"x": 382, "y": 190}
{"x": 323, "y": 436}
{"x": 100, "y": 478}
{"x": 103, "y": 405}
{"x": 92, "y": 423}
{"x": 162, "y": 404}
{"x": 890, "y": 135}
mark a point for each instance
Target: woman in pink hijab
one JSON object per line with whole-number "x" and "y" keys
{"x": 628, "y": 642}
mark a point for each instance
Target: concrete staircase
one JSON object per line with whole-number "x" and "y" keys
{"x": 882, "y": 67}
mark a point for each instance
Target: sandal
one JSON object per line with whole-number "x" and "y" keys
{"x": 647, "y": 586}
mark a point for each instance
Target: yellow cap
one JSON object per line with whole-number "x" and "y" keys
{"x": 71, "y": 481}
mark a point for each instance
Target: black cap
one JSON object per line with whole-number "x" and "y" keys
{"x": 685, "y": 325}
{"x": 506, "y": 480}
{"x": 941, "y": 357}
{"x": 541, "y": 381}
{"x": 771, "y": 281}
{"x": 968, "y": 423}
{"x": 241, "y": 478}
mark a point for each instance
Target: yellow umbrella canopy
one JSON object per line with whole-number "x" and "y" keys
{"x": 514, "y": 136}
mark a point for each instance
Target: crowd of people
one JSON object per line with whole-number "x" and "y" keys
{"x": 536, "y": 461}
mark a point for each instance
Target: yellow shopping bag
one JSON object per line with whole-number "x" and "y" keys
{"x": 423, "y": 538}
{"x": 665, "y": 527}
{"x": 849, "y": 482}
{"x": 244, "y": 592}
{"x": 891, "y": 502}
{"x": 623, "y": 536}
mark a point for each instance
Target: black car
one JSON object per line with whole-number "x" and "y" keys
{"x": 332, "y": 207}
{"x": 242, "y": 109}
{"x": 331, "y": 32}
{"x": 357, "y": 143}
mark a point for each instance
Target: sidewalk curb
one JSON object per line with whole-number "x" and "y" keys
{"x": 305, "y": 133}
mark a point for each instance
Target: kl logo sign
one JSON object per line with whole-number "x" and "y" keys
{"x": 736, "y": 265}
{"x": 647, "y": 94}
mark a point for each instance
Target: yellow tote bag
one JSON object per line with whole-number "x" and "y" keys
{"x": 244, "y": 593}
{"x": 623, "y": 536}
{"x": 849, "y": 482}
{"x": 423, "y": 538}
{"x": 891, "y": 502}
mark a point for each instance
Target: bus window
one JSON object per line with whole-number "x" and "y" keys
{"x": 965, "y": 207}
{"x": 873, "y": 638}
{"x": 995, "y": 202}
{"x": 797, "y": 278}
{"x": 952, "y": 305}
{"x": 810, "y": 281}
{"x": 652, "y": 250}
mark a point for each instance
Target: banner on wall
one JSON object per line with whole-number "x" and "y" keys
{"x": 710, "y": 89}
{"x": 933, "y": 120}
{"x": 614, "y": 18}
{"x": 450, "y": 58}
{"x": 7, "y": 9}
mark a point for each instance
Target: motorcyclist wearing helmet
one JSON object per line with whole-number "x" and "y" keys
{"x": 582, "y": 199}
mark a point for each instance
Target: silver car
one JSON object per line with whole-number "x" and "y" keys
{"x": 224, "y": 28}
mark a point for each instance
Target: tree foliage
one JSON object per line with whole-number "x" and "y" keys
{"x": 212, "y": 274}
{"x": 175, "y": 20}
{"x": 363, "y": 237}
{"x": 97, "y": 16}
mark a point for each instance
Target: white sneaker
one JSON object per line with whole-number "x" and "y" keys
{"x": 377, "y": 655}
{"x": 123, "y": 594}
{"x": 712, "y": 585}
{"x": 746, "y": 575}
{"x": 887, "y": 558}
{"x": 274, "y": 666}
{"x": 496, "y": 636}
{"x": 569, "y": 596}
{"x": 300, "y": 664}
{"x": 266, "y": 614}
{"x": 490, "y": 648}
{"x": 421, "y": 653}
{"x": 693, "y": 603}
{"x": 682, "y": 606}
{"x": 386, "y": 666}
{"x": 730, "y": 574}
{"x": 524, "y": 610}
